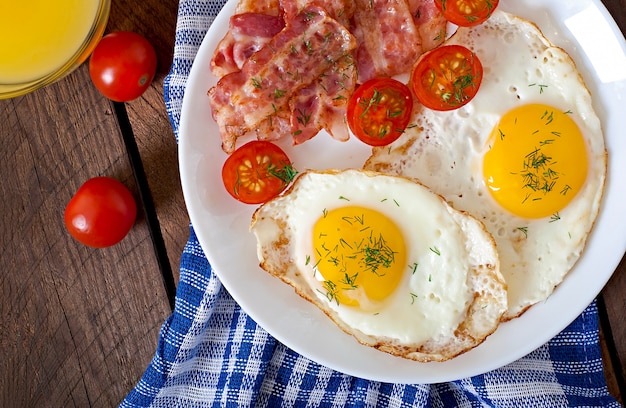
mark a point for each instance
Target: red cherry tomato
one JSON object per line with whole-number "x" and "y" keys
{"x": 447, "y": 77}
{"x": 122, "y": 65}
{"x": 257, "y": 172}
{"x": 466, "y": 13}
{"x": 379, "y": 111}
{"x": 101, "y": 212}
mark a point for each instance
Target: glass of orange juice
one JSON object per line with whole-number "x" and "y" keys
{"x": 44, "y": 40}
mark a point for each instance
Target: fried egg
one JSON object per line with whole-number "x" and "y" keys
{"x": 390, "y": 262}
{"x": 526, "y": 156}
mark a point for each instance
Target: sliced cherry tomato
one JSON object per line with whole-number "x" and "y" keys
{"x": 122, "y": 65}
{"x": 447, "y": 77}
{"x": 466, "y": 13}
{"x": 101, "y": 212}
{"x": 379, "y": 111}
{"x": 257, "y": 172}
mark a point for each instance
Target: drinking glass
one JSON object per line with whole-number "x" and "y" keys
{"x": 42, "y": 41}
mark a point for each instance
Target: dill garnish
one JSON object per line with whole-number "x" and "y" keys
{"x": 256, "y": 83}
{"x": 537, "y": 173}
{"x": 524, "y": 230}
{"x": 350, "y": 281}
{"x": 376, "y": 255}
{"x": 331, "y": 291}
{"x": 285, "y": 173}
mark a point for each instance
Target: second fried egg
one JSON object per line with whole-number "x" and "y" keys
{"x": 526, "y": 156}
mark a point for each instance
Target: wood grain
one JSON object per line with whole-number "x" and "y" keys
{"x": 155, "y": 137}
{"x": 79, "y": 325}
{"x": 613, "y": 298}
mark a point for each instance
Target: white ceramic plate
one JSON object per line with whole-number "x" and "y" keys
{"x": 583, "y": 28}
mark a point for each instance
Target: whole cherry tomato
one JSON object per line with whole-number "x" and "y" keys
{"x": 447, "y": 77}
{"x": 257, "y": 172}
{"x": 379, "y": 111}
{"x": 101, "y": 212}
{"x": 122, "y": 65}
{"x": 467, "y": 13}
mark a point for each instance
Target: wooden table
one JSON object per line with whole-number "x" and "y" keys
{"x": 78, "y": 326}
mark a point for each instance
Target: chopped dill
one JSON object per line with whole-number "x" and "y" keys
{"x": 524, "y": 230}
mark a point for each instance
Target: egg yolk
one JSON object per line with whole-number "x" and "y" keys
{"x": 537, "y": 162}
{"x": 360, "y": 254}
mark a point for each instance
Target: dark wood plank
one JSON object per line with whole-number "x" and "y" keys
{"x": 155, "y": 20}
{"x": 81, "y": 326}
{"x": 150, "y": 124}
{"x": 617, "y": 8}
{"x": 613, "y": 298}
{"x": 78, "y": 325}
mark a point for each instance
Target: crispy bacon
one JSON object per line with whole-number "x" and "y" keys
{"x": 305, "y": 107}
{"x": 270, "y": 7}
{"x": 321, "y": 105}
{"x": 295, "y": 58}
{"x": 232, "y": 48}
{"x": 430, "y": 23}
{"x": 340, "y": 10}
{"x": 389, "y": 42}
{"x": 268, "y": 89}
{"x": 255, "y": 23}
{"x": 248, "y": 33}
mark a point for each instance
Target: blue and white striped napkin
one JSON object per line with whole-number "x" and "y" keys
{"x": 212, "y": 354}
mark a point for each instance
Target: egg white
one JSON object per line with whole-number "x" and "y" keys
{"x": 451, "y": 295}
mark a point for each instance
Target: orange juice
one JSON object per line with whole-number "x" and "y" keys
{"x": 38, "y": 37}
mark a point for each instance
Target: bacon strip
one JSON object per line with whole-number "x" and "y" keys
{"x": 224, "y": 60}
{"x": 256, "y": 22}
{"x": 322, "y": 105}
{"x": 390, "y": 35}
{"x": 247, "y": 34}
{"x": 340, "y": 10}
{"x": 295, "y": 58}
{"x": 389, "y": 42}
{"x": 430, "y": 23}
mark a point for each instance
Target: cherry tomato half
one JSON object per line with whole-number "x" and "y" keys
{"x": 101, "y": 212}
{"x": 447, "y": 77}
{"x": 122, "y": 65}
{"x": 466, "y": 13}
{"x": 379, "y": 111}
{"x": 257, "y": 172}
